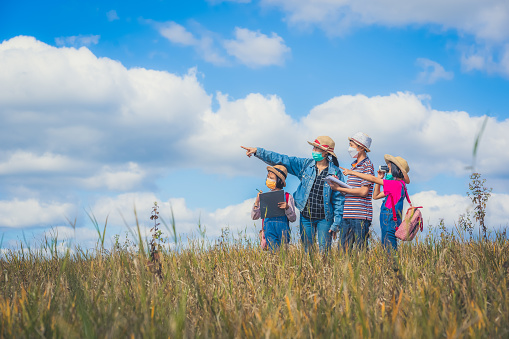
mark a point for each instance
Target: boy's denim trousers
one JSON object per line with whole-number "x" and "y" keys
{"x": 310, "y": 228}
{"x": 354, "y": 232}
{"x": 277, "y": 231}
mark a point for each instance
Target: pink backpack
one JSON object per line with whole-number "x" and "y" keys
{"x": 263, "y": 241}
{"x": 409, "y": 226}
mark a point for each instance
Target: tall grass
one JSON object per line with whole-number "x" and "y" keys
{"x": 434, "y": 287}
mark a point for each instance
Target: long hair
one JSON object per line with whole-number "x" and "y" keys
{"x": 333, "y": 159}
{"x": 396, "y": 172}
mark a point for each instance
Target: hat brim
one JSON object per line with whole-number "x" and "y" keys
{"x": 322, "y": 148}
{"x": 392, "y": 159}
{"x": 280, "y": 176}
{"x": 360, "y": 144}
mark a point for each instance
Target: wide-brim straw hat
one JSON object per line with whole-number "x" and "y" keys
{"x": 325, "y": 143}
{"x": 280, "y": 171}
{"x": 361, "y": 139}
{"x": 401, "y": 163}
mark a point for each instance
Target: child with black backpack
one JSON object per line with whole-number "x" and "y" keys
{"x": 276, "y": 230}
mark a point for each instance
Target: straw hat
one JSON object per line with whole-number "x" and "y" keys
{"x": 280, "y": 171}
{"x": 325, "y": 143}
{"x": 362, "y": 139}
{"x": 401, "y": 163}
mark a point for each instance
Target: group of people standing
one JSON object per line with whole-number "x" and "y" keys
{"x": 327, "y": 209}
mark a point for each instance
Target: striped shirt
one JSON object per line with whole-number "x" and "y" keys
{"x": 357, "y": 207}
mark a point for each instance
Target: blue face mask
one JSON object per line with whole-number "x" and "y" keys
{"x": 389, "y": 176}
{"x": 318, "y": 156}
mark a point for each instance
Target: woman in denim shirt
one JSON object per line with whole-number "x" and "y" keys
{"x": 321, "y": 208}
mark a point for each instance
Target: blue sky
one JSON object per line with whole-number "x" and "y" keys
{"x": 109, "y": 104}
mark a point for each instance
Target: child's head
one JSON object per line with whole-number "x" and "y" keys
{"x": 395, "y": 171}
{"x": 398, "y": 167}
{"x": 278, "y": 174}
{"x": 359, "y": 144}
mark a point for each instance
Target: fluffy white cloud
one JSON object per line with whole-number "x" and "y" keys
{"x": 255, "y": 49}
{"x": 177, "y": 34}
{"x": 491, "y": 59}
{"x": 432, "y": 71}
{"x": 102, "y": 127}
{"x": 486, "y": 21}
{"x": 120, "y": 210}
{"x": 23, "y": 213}
{"x": 250, "y": 48}
{"x": 117, "y": 180}
{"x": 25, "y": 162}
{"x": 78, "y": 40}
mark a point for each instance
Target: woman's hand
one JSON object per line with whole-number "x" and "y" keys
{"x": 381, "y": 174}
{"x": 346, "y": 171}
{"x": 249, "y": 150}
{"x": 283, "y": 205}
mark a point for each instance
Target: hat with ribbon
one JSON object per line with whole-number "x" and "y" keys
{"x": 401, "y": 163}
{"x": 362, "y": 139}
{"x": 280, "y": 171}
{"x": 325, "y": 143}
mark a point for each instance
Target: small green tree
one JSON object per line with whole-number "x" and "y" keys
{"x": 479, "y": 194}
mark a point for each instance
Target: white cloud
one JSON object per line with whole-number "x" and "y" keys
{"x": 105, "y": 128}
{"x": 432, "y": 71}
{"x": 487, "y": 58}
{"x": 112, "y": 15}
{"x": 255, "y": 49}
{"x": 117, "y": 180}
{"x": 177, "y": 34}
{"x": 26, "y": 162}
{"x": 486, "y": 21}
{"x": 236, "y": 217}
{"x": 78, "y": 40}
{"x": 204, "y": 45}
{"x": 24, "y": 213}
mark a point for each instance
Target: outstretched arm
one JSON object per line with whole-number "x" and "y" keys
{"x": 368, "y": 177}
{"x": 294, "y": 165}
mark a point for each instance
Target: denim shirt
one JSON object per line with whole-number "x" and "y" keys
{"x": 303, "y": 169}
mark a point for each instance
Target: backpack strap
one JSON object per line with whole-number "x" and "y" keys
{"x": 394, "y": 217}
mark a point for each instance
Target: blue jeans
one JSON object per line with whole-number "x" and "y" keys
{"x": 309, "y": 229}
{"x": 354, "y": 231}
{"x": 277, "y": 231}
{"x": 388, "y": 225}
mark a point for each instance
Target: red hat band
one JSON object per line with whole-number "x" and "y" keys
{"x": 326, "y": 146}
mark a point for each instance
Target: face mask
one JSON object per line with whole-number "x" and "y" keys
{"x": 353, "y": 152}
{"x": 389, "y": 176}
{"x": 271, "y": 183}
{"x": 318, "y": 156}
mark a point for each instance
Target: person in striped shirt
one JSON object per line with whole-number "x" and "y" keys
{"x": 358, "y": 210}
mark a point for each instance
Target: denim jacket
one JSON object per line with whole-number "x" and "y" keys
{"x": 304, "y": 169}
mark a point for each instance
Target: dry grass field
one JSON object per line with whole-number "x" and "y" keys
{"x": 435, "y": 287}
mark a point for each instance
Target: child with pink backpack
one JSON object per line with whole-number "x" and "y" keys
{"x": 393, "y": 178}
